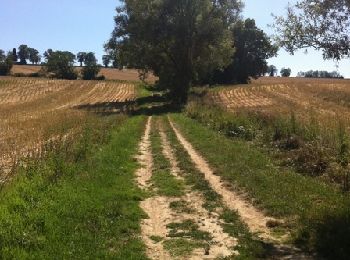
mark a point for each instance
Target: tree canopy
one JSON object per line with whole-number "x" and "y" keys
{"x": 81, "y": 57}
{"x": 286, "y": 72}
{"x": 91, "y": 68}
{"x": 180, "y": 41}
{"x": 272, "y": 70}
{"x": 34, "y": 56}
{"x": 6, "y": 62}
{"x": 253, "y": 47}
{"x": 320, "y": 74}
{"x": 106, "y": 60}
{"x": 61, "y": 64}
{"x": 321, "y": 24}
{"x": 23, "y": 54}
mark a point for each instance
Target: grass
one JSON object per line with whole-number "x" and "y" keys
{"x": 63, "y": 207}
{"x": 307, "y": 203}
{"x": 181, "y": 206}
{"x": 165, "y": 183}
{"x": 181, "y": 247}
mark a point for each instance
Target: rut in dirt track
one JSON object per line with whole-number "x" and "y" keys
{"x": 160, "y": 214}
{"x": 252, "y": 217}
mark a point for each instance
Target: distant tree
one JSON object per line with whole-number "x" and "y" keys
{"x": 47, "y": 54}
{"x": 320, "y": 74}
{"x": 106, "y": 60}
{"x": 23, "y": 54}
{"x": 6, "y": 63}
{"x": 34, "y": 56}
{"x": 320, "y": 24}
{"x": 180, "y": 41}
{"x": 272, "y": 70}
{"x": 91, "y": 68}
{"x": 286, "y": 72}
{"x": 14, "y": 55}
{"x": 81, "y": 57}
{"x": 2, "y": 55}
{"x": 252, "y": 48}
{"x": 61, "y": 64}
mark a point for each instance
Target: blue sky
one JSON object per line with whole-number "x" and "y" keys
{"x": 84, "y": 25}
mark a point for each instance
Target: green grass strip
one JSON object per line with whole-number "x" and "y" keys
{"x": 164, "y": 181}
{"x": 90, "y": 212}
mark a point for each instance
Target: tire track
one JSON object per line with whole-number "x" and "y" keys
{"x": 222, "y": 243}
{"x": 256, "y": 220}
{"x": 157, "y": 208}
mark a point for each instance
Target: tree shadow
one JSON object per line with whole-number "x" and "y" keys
{"x": 156, "y": 104}
{"x": 107, "y": 108}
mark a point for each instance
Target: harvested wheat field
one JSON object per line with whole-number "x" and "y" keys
{"x": 35, "y": 111}
{"x": 320, "y": 100}
{"x": 109, "y": 73}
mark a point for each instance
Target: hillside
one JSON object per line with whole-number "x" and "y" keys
{"x": 109, "y": 73}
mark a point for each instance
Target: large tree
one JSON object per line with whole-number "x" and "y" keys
{"x": 34, "y": 56}
{"x": 180, "y": 41}
{"x": 253, "y": 48}
{"x": 61, "y": 64}
{"x": 91, "y": 68}
{"x": 81, "y": 57}
{"x": 106, "y": 60}
{"x": 23, "y": 54}
{"x": 320, "y": 24}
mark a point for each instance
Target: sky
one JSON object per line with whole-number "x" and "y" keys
{"x": 85, "y": 25}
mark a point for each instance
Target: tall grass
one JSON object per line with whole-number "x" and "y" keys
{"x": 310, "y": 147}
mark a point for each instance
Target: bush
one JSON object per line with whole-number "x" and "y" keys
{"x": 6, "y": 65}
{"x": 90, "y": 72}
{"x": 19, "y": 75}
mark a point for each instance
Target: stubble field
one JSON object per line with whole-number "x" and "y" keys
{"x": 35, "y": 112}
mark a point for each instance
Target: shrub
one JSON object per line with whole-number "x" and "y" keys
{"x": 6, "y": 64}
{"x": 90, "y": 72}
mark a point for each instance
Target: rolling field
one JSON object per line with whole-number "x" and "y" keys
{"x": 202, "y": 182}
{"x": 34, "y": 112}
{"x": 315, "y": 110}
{"x": 322, "y": 96}
{"x": 109, "y": 73}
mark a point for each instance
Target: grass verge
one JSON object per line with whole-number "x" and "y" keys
{"x": 319, "y": 214}
{"x": 71, "y": 206}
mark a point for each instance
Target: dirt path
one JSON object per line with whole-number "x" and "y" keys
{"x": 155, "y": 229}
{"x": 144, "y": 174}
{"x": 255, "y": 219}
{"x": 157, "y": 208}
{"x": 222, "y": 243}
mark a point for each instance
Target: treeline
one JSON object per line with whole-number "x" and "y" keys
{"x": 320, "y": 74}
{"x": 56, "y": 64}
